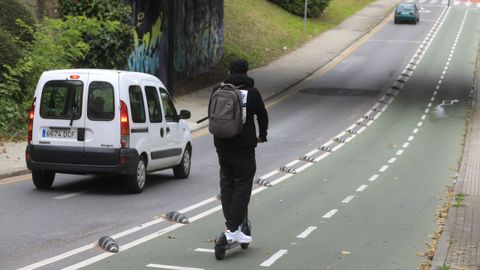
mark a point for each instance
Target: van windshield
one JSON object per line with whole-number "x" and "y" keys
{"x": 61, "y": 100}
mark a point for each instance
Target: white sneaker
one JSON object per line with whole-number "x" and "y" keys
{"x": 237, "y": 236}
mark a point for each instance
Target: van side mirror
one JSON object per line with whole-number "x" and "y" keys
{"x": 185, "y": 114}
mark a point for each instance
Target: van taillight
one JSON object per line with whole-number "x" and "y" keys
{"x": 124, "y": 126}
{"x": 31, "y": 115}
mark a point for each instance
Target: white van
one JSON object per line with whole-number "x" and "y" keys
{"x": 86, "y": 121}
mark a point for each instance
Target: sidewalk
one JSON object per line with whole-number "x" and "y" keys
{"x": 272, "y": 79}
{"x": 459, "y": 245}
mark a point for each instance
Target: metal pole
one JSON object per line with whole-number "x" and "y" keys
{"x": 305, "y": 17}
{"x": 171, "y": 48}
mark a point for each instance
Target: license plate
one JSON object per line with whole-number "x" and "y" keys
{"x": 59, "y": 133}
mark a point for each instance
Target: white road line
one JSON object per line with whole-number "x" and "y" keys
{"x": 69, "y": 195}
{"x": 171, "y": 267}
{"x": 275, "y": 257}
{"x": 58, "y": 257}
{"x": 279, "y": 180}
{"x": 427, "y": 110}
{"x": 330, "y": 213}
{"x": 197, "y": 205}
{"x": 361, "y": 188}
{"x": 405, "y": 145}
{"x": 348, "y": 199}
{"x": 207, "y": 250}
{"x": 292, "y": 163}
{"x": 322, "y": 156}
{"x": 314, "y": 151}
{"x": 415, "y": 131}
{"x": 384, "y": 168}
{"x": 124, "y": 247}
{"x": 399, "y": 152}
{"x": 423, "y": 117}
{"x": 429, "y": 105}
{"x": 303, "y": 167}
{"x": 116, "y": 236}
{"x": 307, "y": 232}
{"x": 411, "y": 138}
{"x": 392, "y": 160}
{"x": 270, "y": 174}
{"x": 419, "y": 124}
{"x": 373, "y": 178}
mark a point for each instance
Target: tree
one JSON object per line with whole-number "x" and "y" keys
{"x": 111, "y": 46}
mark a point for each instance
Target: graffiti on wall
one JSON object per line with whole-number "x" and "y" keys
{"x": 198, "y": 37}
{"x": 148, "y": 54}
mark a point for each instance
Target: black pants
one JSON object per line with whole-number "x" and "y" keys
{"x": 237, "y": 169}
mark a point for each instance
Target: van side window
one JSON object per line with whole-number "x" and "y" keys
{"x": 154, "y": 109}
{"x": 168, "y": 107}
{"x": 61, "y": 100}
{"x": 100, "y": 102}
{"x": 136, "y": 104}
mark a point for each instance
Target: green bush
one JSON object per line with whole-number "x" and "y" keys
{"x": 10, "y": 11}
{"x": 55, "y": 44}
{"x": 297, "y": 7}
{"x": 111, "y": 46}
{"x": 9, "y": 52}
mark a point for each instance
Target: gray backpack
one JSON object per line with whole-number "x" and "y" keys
{"x": 225, "y": 111}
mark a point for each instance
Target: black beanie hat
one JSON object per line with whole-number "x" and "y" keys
{"x": 238, "y": 66}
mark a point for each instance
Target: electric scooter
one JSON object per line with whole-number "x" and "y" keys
{"x": 222, "y": 245}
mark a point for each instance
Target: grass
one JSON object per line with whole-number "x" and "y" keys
{"x": 261, "y": 31}
{"x": 459, "y": 200}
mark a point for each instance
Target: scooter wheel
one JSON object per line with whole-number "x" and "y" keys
{"x": 219, "y": 253}
{"x": 244, "y": 245}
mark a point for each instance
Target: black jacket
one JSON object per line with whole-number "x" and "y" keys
{"x": 247, "y": 140}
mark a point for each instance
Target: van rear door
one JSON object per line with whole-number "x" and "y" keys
{"x": 59, "y": 121}
{"x": 102, "y": 121}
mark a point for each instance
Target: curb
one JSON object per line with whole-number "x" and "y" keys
{"x": 6, "y": 175}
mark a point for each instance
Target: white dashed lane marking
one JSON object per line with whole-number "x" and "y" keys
{"x": 384, "y": 168}
{"x": 348, "y": 199}
{"x": 330, "y": 213}
{"x": 307, "y": 232}
{"x": 206, "y": 250}
{"x": 69, "y": 195}
{"x": 171, "y": 267}
{"x": 361, "y": 188}
{"x": 274, "y": 258}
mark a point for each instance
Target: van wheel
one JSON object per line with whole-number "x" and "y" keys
{"x": 182, "y": 170}
{"x": 43, "y": 179}
{"x": 136, "y": 182}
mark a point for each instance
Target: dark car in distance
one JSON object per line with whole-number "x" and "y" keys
{"x": 407, "y": 12}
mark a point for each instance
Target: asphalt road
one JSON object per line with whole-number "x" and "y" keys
{"x": 361, "y": 221}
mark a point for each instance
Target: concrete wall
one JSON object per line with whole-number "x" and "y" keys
{"x": 198, "y": 37}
